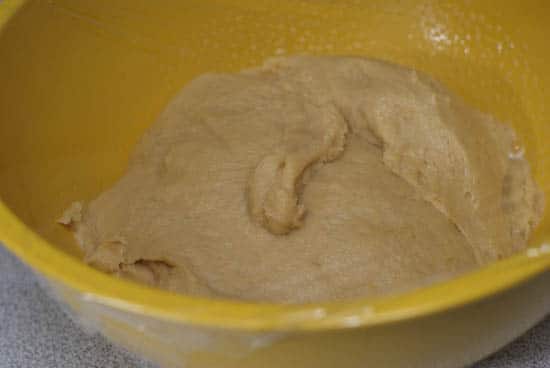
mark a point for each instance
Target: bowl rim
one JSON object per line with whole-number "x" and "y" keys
{"x": 96, "y": 287}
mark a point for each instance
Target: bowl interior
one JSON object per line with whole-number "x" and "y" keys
{"x": 81, "y": 80}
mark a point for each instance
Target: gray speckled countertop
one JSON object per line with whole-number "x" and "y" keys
{"x": 34, "y": 332}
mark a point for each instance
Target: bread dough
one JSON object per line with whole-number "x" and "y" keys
{"x": 312, "y": 178}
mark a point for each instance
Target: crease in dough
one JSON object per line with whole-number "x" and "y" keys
{"x": 275, "y": 184}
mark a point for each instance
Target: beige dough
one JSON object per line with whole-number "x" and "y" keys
{"x": 312, "y": 178}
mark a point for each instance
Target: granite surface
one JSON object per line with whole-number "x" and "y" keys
{"x": 34, "y": 332}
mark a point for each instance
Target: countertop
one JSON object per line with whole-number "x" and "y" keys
{"x": 34, "y": 332}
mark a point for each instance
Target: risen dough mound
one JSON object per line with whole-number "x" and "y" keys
{"x": 312, "y": 178}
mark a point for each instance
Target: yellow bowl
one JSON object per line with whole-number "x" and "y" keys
{"x": 81, "y": 80}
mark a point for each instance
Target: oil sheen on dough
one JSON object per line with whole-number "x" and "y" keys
{"x": 312, "y": 178}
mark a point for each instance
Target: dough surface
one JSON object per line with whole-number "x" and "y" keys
{"x": 312, "y": 178}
